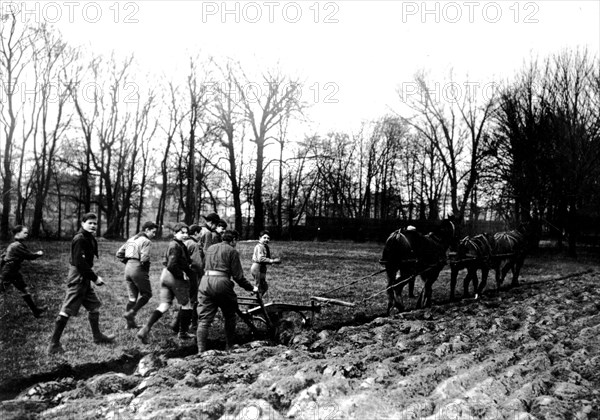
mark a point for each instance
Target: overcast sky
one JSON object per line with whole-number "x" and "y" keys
{"x": 351, "y": 55}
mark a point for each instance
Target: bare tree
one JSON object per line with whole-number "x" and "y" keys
{"x": 229, "y": 120}
{"x": 15, "y": 57}
{"x": 194, "y": 131}
{"x": 457, "y": 128}
{"x": 265, "y": 106}
{"x": 113, "y": 119}
{"x": 51, "y": 61}
{"x": 301, "y": 182}
{"x": 174, "y": 120}
{"x": 147, "y": 133}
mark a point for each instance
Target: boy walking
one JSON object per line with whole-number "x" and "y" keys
{"x": 174, "y": 283}
{"x": 197, "y": 268}
{"x": 10, "y": 272}
{"x": 80, "y": 291}
{"x": 136, "y": 251}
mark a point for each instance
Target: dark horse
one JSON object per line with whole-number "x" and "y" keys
{"x": 473, "y": 253}
{"x": 508, "y": 254}
{"x": 407, "y": 254}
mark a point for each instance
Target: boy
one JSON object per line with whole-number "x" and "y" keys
{"x": 208, "y": 234}
{"x": 136, "y": 252}
{"x": 260, "y": 259}
{"x": 222, "y": 263}
{"x": 174, "y": 283}
{"x": 12, "y": 259}
{"x": 218, "y": 235}
{"x": 79, "y": 285}
{"x": 197, "y": 265}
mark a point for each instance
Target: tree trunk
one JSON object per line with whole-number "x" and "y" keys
{"x": 259, "y": 210}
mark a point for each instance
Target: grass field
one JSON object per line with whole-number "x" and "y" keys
{"x": 308, "y": 269}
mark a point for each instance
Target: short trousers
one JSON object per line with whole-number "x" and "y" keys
{"x": 14, "y": 277}
{"x": 80, "y": 292}
{"x": 172, "y": 288}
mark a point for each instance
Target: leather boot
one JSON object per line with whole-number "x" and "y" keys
{"x": 175, "y": 323}
{"x": 229, "y": 333}
{"x": 194, "y": 325}
{"x": 99, "y": 338}
{"x": 202, "y": 335}
{"x": 59, "y": 326}
{"x": 129, "y": 315}
{"x": 130, "y": 305}
{"x": 145, "y": 331}
{"x": 36, "y": 310}
{"x": 184, "y": 326}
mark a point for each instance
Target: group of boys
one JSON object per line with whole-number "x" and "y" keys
{"x": 199, "y": 264}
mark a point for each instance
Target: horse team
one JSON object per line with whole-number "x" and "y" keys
{"x": 408, "y": 254}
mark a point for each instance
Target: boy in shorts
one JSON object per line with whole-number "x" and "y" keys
{"x": 10, "y": 272}
{"x": 174, "y": 283}
{"x": 80, "y": 291}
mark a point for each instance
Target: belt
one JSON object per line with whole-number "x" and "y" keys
{"x": 216, "y": 273}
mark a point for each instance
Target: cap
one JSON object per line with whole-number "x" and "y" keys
{"x": 212, "y": 217}
{"x": 179, "y": 226}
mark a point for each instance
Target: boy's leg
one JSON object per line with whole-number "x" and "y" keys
{"x": 166, "y": 298}
{"x": 92, "y": 303}
{"x": 207, "y": 309}
{"x": 71, "y": 304}
{"x": 143, "y": 289}
{"x": 176, "y": 320}
{"x": 132, "y": 295}
{"x": 59, "y": 326}
{"x": 36, "y": 310}
{"x": 145, "y": 331}
{"x": 229, "y": 314}
{"x": 16, "y": 278}
{"x": 99, "y": 338}
{"x": 194, "y": 300}
{"x": 182, "y": 293}
{"x": 186, "y": 319}
{"x": 263, "y": 287}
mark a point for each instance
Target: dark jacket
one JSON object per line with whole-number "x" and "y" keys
{"x": 84, "y": 248}
{"x": 177, "y": 259}
{"x": 14, "y": 255}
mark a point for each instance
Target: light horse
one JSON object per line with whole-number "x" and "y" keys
{"x": 407, "y": 254}
{"x": 473, "y": 253}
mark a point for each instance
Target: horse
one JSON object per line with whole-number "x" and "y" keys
{"x": 508, "y": 254}
{"x": 408, "y": 254}
{"x": 473, "y": 253}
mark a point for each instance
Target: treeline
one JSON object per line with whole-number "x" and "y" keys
{"x": 84, "y": 132}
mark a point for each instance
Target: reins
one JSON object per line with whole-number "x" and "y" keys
{"x": 354, "y": 282}
{"x": 401, "y": 282}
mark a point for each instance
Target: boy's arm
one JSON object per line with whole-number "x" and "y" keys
{"x": 237, "y": 273}
{"x": 260, "y": 255}
{"x": 145, "y": 251}
{"x": 21, "y": 252}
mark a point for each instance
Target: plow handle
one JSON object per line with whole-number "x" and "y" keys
{"x": 332, "y": 301}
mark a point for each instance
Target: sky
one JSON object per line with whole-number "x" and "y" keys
{"x": 351, "y": 56}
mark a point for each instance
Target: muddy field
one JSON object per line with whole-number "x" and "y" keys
{"x": 531, "y": 352}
